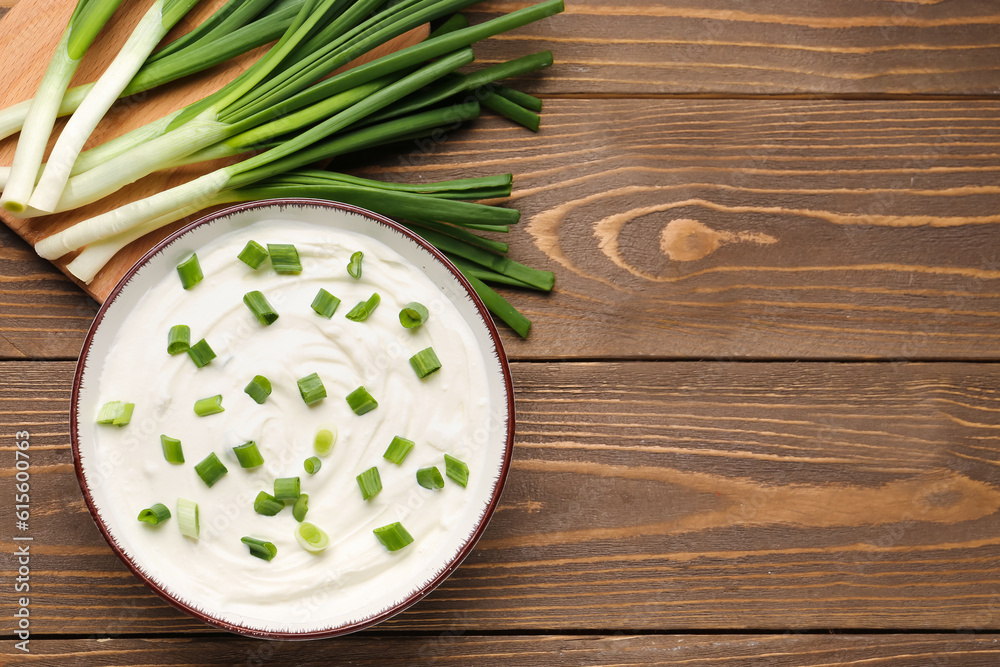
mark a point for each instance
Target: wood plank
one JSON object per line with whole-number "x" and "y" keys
{"x": 796, "y": 229}
{"x": 645, "y": 496}
{"x": 900, "y": 650}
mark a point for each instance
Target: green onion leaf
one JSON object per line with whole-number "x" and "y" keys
{"x": 311, "y": 537}
{"x": 286, "y": 488}
{"x": 361, "y": 311}
{"x": 258, "y": 389}
{"x": 521, "y": 99}
{"x": 430, "y": 478}
{"x": 211, "y": 469}
{"x": 209, "y": 406}
{"x": 260, "y": 548}
{"x": 284, "y": 258}
{"x": 413, "y": 315}
{"x": 115, "y": 413}
{"x": 187, "y": 518}
{"x": 300, "y": 507}
{"x": 260, "y": 308}
{"x": 398, "y": 449}
{"x": 190, "y": 272}
{"x": 456, "y": 470}
{"x": 324, "y": 440}
{"x": 253, "y": 254}
{"x": 201, "y": 353}
{"x": 155, "y": 515}
{"x": 312, "y": 465}
{"x": 267, "y": 504}
{"x": 178, "y": 339}
{"x": 370, "y": 482}
{"x": 393, "y": 537}
{"x": 515, "y": 112}
{"x": 361, "y": 401}
{"x": 311, "y": 388}
{"x": 325, "y": 303}
{"x": 354, "y": 267}
{"x": 425, "y": 362}
{"x": 172, "y": 451}
{"x": 248, "y": 455}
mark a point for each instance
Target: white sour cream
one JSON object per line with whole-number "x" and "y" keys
{"x": 355, "y": 577}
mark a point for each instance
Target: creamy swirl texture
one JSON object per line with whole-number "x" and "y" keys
{"x": 441, "y": 414}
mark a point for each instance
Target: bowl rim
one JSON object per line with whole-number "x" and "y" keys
{"x": 414, "y": 597}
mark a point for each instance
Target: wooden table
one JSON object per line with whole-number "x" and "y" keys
{"x": 759, "y": 418}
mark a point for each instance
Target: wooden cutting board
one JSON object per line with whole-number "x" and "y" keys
{"x": 28, "y": 35}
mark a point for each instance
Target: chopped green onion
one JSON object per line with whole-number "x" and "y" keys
{"x": 430, "y": 478}
{"x": 325, "y": 303}
{"x": 312, "y": 465}
{"x": 324, "y": 440}
{"x": 361, "y": 311}
{"x": 398, "y": 449}
{"x": 354, "y": 267}
{"x": 248, "y": 455}
{"x": 201, "y": 353}
{"x": 155, "y": 515}
{"x": 187, "y": 518}
{"x": 311, "y": 388}
{"x": 253, "y": 254}
{"x": 286, "y": 488}
{"x": 311, "y": 537}
{"x": 260, "y": 548}
{"x": 209, "y": 406}
{"x": 284, "y": 258}
{"x": 456, "y": 470}
{"x": 190, "y": 272}
{"x": 267, "y": 504}
{"x": 258, "y": 389}
{"x": 172, "y": 451}
{"x": 393, "y": 537}
{"x": 115, "y": 413}
{"x": 361, "y": 401}
{"x": 211, "y": 469}
{"x": 413, "y": 315}
{"x": 370, "y": 482}
{"x": 260, "y": 308}
{"x": 178, "y": 339}
{"x": 300, "y": 507}
{"x": 425, "y": 362}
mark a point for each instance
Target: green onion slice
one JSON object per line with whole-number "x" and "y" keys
{"x": 187, "y": 517}
{"x": 248, "y": 455}
{"x": 258, "y": 389}
{"x": 210, "y": 469}
{"x": 172, "y": 451}
{"x": 456, "y": 470}
{"x": 209, "y": 406}
{"x": 190, "y": 272}
{"x": 253, "y": 254}
{"x": 115, "y": 413}
{"x": 300, "y": 507}
{"x": 361, "y": 401}
{"x": 325, "y": 303}
{"x": 311, "y": 388}
{"x": 260, "y": 548}
{"x": 413, "y": 315}
{"x": 324, "y": 440}
{"x": 178, "y": 339}
{"x": 312, "y": 465}
{"x": 370, "y": 482}
{"x": 201, "y": 353}
{"x": 393, "y": 537}
{"x": 425, "y": 362}
{"x": 398, "y": 449}
{"x": 260, "y": 308}
{"x": 311, "y": 538}
{"x": 267, "y": 504}
{"x": 354, "y": 267}
{"x": 284, "y": 258}
{"x": 430, "y": 478}
{"x": 361, "y": 311}
{"x": 155, "y": 515}
{"x": 286, "y": 488}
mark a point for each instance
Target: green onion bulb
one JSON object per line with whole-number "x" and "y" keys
{"x": 311, "y": 538}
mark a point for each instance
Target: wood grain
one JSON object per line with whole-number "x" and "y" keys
{"x": 900, "y": 650}
{"x": 645, "y": 496}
